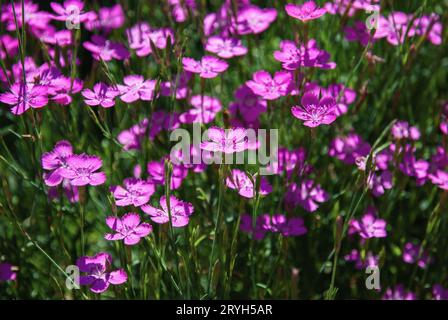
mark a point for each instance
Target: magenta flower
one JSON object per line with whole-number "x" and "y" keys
{"x": 259, "y": 231}
{"x": 225, "y": 47}
{"x": 399, "y": 293}
{"x": 247, "y": 104}
{"x": 81, "y": 170}
{"x": 252, "y": 19}
{"x": 379, "y": 182}
{"x": 9, "y": 46}
{"x": 180, "y": 212}
{"x": 305, "y": 12}
{"x": 127, "y": 228}
{"x": 413, "y": 253}
{"x": 136, "y": 192}
{"x": 359, "y": 33}
{"x": 402, "y": 130}
{"x": 370, "y": 259}
{"x": 308, "y": 195}
{"x": 136, "y": 88}
{"x": 412, "y": 167}
{"x": 179, "y": 86}
{"x": 292, "y": 227}
{"x": 208, "y": 67}
{"x": 98, "y": 277}
{"x": 204, "y": 110}
{"x": 160, "y": 120}
{"x": 439, "y": 292}
{"x": 314, "y": 111}
{"x": 349, "y": 148}
{"x": 156, "y": 171}
{"x": 22, "y": 97}
{"x": 103, "y": 49}
{"x": 268, "y": 87}
{"x": 106, "y": 20}
{"x": 36, "y": 21}
{"x": 70, "y": 10}
{"x": 440, "y": 179}
{"x": 131, "y": 139}
{"x": 309, "y": 55}
{"x": 7, "y": 272}
{"x": 243, "y": 184}
{"x": 71, "y": 192}
{"x": 369, "y": 226}
{"x": 55, "y": 161}
{"x": 102, "y": 95}
{"x": 226, "y": 140}
{"x": 290, "y": 162}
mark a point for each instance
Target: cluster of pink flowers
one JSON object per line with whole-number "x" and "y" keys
{"x": 240, "y": 181}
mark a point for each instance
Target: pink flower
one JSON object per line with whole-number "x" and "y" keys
{"x": 309, "y": 55}
{"x": 349, "y": 148}
{"x": 55, "y": 161}
{"x": 136, "y": 192}
{"x": 208, "y": 67}
{"x": 127, "y": 228}
{"x": 160, "y": 120}
{"x": 9, "y": 46}
{"x": 370, "y": 260}
{"x": 204, "y": 110}
{"x": 22, "y": 97}
{"x": 180, "y": 212}
{"x": 103, "y": 49}
{"x": 314, "y": 111}
{"x": 225, "y": 47}
{"x": 307, "y": 195}
{"x": 156, "y": 171}
{"x": 252, "y": 19}
{"x": 399, "y": 293}
{"x": 247, "y": 104}
{"x": 369, "y": 226}
{"x": 413, "y": 253}
{"x": 290, "y": 162}
{"x": 305, "y": 12}
{"x": 106, "y": 20}
{"x": 440, "y": 179}
{"x": 7, "y": 272}
{"x": 226, "y": 140}
{"x": 98, "y": 278}
{"x": 277, "y": 223}
{"x": 36, "y": 21}
{"x": 131, "y": 139}
{"x": 402, "y": 130}
{"x": 268, "y": 87}
{"x": 136, "y": 87}
{"x": 71, "y": 10}
{"x": 439, "y": 292}
{"x": 102, "y": 95}
{"x": 81, "y": 170}
{"x": 243, "y": 184}
{"x": 379, "y": 182}
{"x": 359, "y": 33}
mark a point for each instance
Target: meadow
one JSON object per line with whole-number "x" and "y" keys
{"x": 97, "y": 203}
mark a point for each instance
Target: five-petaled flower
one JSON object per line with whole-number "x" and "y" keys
{"x": 305, "y": 12}
{"x": 207, "y": 67}
{"x": 180, "y": 211}
{"x": 136, "y": 192}
{"x": 226, "y": 140}
{"x": 315, "y": 112}
{"x": 369, "y": 226}
{"x": 81, "y": 170}
{"x": 128, "y": 228}
{"x": 98, "y": 277}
